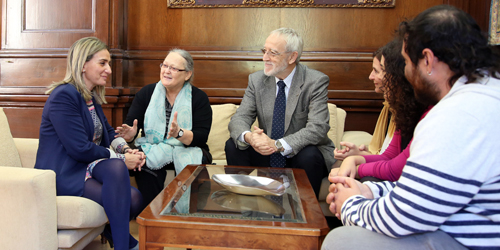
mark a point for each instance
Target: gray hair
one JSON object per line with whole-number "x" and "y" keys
{"x": 293, "y": 40}
{"x": 189, "y": 64}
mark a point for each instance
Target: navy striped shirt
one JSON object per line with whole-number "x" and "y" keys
{"x": 451, "y": 182}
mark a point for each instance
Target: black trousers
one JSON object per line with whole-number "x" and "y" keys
{"x": 151, "y": 182}
{"x": 309, "y": 158}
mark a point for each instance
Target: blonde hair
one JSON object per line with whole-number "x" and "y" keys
{"x": 81, "y": 52}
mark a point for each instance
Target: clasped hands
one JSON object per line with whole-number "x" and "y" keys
{"x": 341, "y": 189}
{"x": 344, "y": 185}
{"x": 351, "y": 156}
{"x": 134, "y": 159}
{"x": 349, "y": 150}
{"x": 260, "y": 142}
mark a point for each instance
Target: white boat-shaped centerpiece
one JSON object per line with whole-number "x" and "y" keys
{"x": 250, "y": 185}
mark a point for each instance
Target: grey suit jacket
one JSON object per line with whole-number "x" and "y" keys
{"x": 306, "y": 118}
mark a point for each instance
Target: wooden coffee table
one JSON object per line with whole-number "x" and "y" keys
{"x": 208, "y": 216}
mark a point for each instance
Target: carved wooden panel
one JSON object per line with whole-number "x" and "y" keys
{"x": 154, "y": 26}
{"x": 24, "y": 122}
{"x": 40, "y": 24}
{"x": 224, "y": 75}
{"x": 41, "y": 16}
{"x": 36, "y": 34}
{"x": 480, "y": 10}
{"x": 31, "y": 72}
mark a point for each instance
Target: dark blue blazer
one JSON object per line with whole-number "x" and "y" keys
{"x": 66, "y": 134}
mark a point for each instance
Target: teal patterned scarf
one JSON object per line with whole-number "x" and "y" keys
{"x": 159, "y": 150}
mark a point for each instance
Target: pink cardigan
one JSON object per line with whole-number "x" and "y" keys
{"x": 389, "y": 165}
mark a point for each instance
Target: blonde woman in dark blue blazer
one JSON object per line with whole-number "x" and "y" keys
{"x": 77, "y": 142}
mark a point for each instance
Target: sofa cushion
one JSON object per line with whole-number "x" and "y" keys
{"x": 357, "y": 137}
{"x": 73, "y": 239}
{"x": 8, "y": 151}
{"x": 219, "y": 133}
{"x": 77, "y": 212}
{"x": 337, "y": 119}
{"x": 27, "y": 148}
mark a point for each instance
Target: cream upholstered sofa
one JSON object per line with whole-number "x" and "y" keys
{"x": 32, "y": 216}
{"x": 219, "y": 135}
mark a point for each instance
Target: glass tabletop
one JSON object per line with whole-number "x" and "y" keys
{"x": 201, "y": 196}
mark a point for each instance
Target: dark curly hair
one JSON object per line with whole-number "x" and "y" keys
{"x": 455, "y": 39}
{"x": 378, "y": 54}
{"x": 399, "y": 92}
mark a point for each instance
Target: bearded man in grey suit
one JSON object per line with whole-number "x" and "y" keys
{"x": 290, "y": 99}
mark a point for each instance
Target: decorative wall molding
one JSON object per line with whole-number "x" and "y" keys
{"x": 494, "y": 31}
{"x": 282, "y": 3}
{"x": 252, "y": 3}
{"x": 255, "y": 55}
{"x": 252, "y": 55}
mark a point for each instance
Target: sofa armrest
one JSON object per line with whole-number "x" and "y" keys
{"x": 357, "y": 137}
{"x": 28, "y": 205}
{"x": 27, "y": 148}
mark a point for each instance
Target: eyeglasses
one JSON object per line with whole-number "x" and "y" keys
{"x": 173, "y": 69}
{"x": 271, "y": 52}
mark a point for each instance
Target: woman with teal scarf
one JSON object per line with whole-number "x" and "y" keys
{"x": 175, "y": 118}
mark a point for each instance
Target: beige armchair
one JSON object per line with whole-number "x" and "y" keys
{"x": 32, "y": 216}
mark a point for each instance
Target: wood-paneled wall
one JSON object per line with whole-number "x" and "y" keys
{"x": 224, "y": 42}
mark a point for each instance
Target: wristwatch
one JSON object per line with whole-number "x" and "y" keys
{"x": 278, "y": 145}
{"x": 180, "y": 134}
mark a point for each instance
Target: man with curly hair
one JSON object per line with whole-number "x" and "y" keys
{"x": 448, "y": 196}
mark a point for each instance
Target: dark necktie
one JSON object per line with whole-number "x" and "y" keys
{"x": 278, "y": 128}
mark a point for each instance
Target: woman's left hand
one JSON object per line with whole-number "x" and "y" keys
{"x": 173, "y": 131}
{"x": 174, "y": 127}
